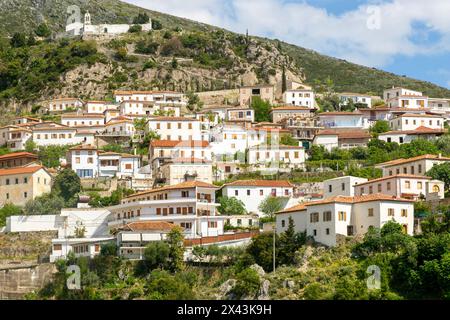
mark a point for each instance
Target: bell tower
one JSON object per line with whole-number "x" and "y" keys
{"x": 87, "y": 18}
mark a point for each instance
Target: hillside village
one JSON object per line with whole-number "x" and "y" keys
{"x": 129, "y": 170}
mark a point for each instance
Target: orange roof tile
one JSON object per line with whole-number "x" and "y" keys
{"x": 183, "y": 185}
{"x": 407, "y": 176}
{"x": 418, "y": 131}
{"x": 345, "y": 133}
{"x": 298, "y": 207}
{"x": 340, "y": 113}
{"x": 422, "y": 157}
{"x": 18, "y": 155}
{"x": 182, "y": 143}
{"x": 20, "y": 170}
{"x": 148, "y": 226}
{"x": 163, "y": 118}
{"x": 261, "y": 183}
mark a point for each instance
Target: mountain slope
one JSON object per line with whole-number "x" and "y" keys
{"x": 216, "y": 58}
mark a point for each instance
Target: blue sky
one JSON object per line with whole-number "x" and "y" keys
{"x": 407, "y": 37}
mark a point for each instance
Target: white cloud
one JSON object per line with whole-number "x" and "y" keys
{"x": 345, "y": 36}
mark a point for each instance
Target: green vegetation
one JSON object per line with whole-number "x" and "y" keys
{"x": 231, "y": 206}
{"x": 441, "y": 172}
{"x": 8, "y": 210}
{"x": 262, "y": 109}
{"x": 50, "y": 155}
{"x": 116, "y": 196}
{"x": 28, "y": 70}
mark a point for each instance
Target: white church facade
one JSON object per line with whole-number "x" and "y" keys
{"x": 87, "y": 28}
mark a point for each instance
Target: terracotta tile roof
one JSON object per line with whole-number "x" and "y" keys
{"x": 345, "y": 133}
{"x": 113, "y": 122}
{"x": 84, "y": 147}
{"x": 127, "y": 155}
{"x": 291, "y": 108}
{"x": 353, "y": 94}
{"x": 189, "y": 160}
{"x": 20, "y": 170}
{"x": 97, "y": 102}
{"x": 172, "y": 119}
{"x": 410, "y": 115}
{"x": 279, "y": 147}
{"x": 183, "y": 185}
{"x": 340, "y": 113}
{"x": 298, "y": 207}
{"x": 417, "y": 131}
{"x": 56, "y": 127}
{"x": 270, "y": 129}
{"x": 18, "y": 155}
{"x": 176, "y": 143}
{"x": 148, "y": 226}
{"x": 260, "y": 183}
{"x": 82, "y": 115}
{"x": 418, "y": 158}
{"x": 65, "y": 99}
{"x": 124, "y": 92}
{"x": 397, "y": 176}
{"x": 28, "y": 118}
{"x": 358, "y": 199}
{"x": 379, "y": 108}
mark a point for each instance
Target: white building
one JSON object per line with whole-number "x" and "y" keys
{"x": 398, "y": 92}
{"x": 87, "y": 28}
{"x": 276, "y": 156}
{"x": 331, "y": 219}
{"x": 17, "y": 138}
{"x": 405, "y": 98}
{"x": 158, "y": 98}
{"x": 62, "y": 105}
{"x": 176, "y": 128}
{"x": 406, "y": 136}
{"x": 88, "y": 162}
{"x": 403, "y": 186}
{"x": 407, "y": 121}
{"x": 46, "y": 134}
{"x": 83, "y": 119}
{"x": 357, "y": 98}
{"x": 341, "y": 119}
{"x": 179, "y": 170}
{"x": 239, "y": 114}
{"x": 341, "y": 186}
{"x": 253, "y": 192}
{"x": 300, "y": 97}
{"x": 190, "y": 205}
{"x": 341, "y": 138}
{"x": 415, "y": 166}
{"x": 98, "y": 106}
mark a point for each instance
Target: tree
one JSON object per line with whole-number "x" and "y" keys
{"x": 135, "y": 28}
{"x": 288, "y": 140}
{"x": 271, "y": 204}
{"x": 260, "y": 250}
{"x": 176, "y": 249}
{"x": 121, "y": 54}
{"x": 247, "y": 284}
{"x": 194, "y": 102}
{"x": 262, "y": 109}
{"x": 45, "y": 205}
{"x": 50, "y": 155}
{"x": 156, "y": 24}
{"x": 380, "y": 126}
{"x": 156, "y": 254}
{"x": 231, "y": 206}
{"x": 174, "y": 63}
{"x": 141, "y": 18}
{"x": 43, "y": 30}
{"x": 30, "y": 146}
{"x": 289, "y": 243}
{"x": 8, "y": 210}
{"x": 18, "y": 40}
{"x": 283, "y": 80}
{"x": 108, "y": 249}
{"x": 67, "y": 184}
{"x": 441, "y": 172}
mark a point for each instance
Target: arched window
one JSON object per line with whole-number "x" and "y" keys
{"x": 436, "y": 188}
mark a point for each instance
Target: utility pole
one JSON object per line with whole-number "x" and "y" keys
{"x": 274, "y": 247}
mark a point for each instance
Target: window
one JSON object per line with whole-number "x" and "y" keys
{"x": 239, "y": 222}
{"x": 405, "y": 170}
{"x": 436, "y": 188}
{"x": 370, "y": 189}
{"x": 391, "y": 212}
{"x": 236, "y": 192}
{"x": 404, "y": 213}
{"x": 419, "y": 168}
{"x": 407, "y": 184}
{"x": 185, "y": 194}
{"x": 90, "y": 160}
{"x": 158, "y": 211}
{"x": 330, "y": 188}
{"x": 315, "y": 232}
{"x": 25, "y": 195}
{"x": 248, "y": 192}
{"x": 212, "y": 224}
{"x": 412, "y": 169}
{"x": 25, "y": 180}
{"x": 390, "y": 172}
{"x": 327, "y": 231}
{"x": 283, "y": 223}
{"x": 128, "y": 166}
{"x": 261, "y": 192}
{"x": 314, "y": 217}
{"x": 327, "y": 216}
{"x": 419, "y": 185}
{"x": 370, "y": 212}
{"x": 388, "y": 186}
{"x": 343, "y": 186}
{"x": 342, "y": 216}
{"x": 17, "y": 180}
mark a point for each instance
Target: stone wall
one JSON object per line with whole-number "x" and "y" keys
{"x": 16, "y": 281}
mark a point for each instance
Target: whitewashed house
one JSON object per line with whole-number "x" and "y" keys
{"x": 253, "y": 192}
{"x": 331, "y": 219}
{"x": 357, "y": 98}
{"x": 415, "y": 166}
{"x": 341, "y": 186}
{"x": 341, "y": 119}
{"x": 300, "y": 97}
{"x": 176, "y": 128}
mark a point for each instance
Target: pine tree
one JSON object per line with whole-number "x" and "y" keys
{"x": 283, "y": 80}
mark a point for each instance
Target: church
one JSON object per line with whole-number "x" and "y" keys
{"x": 87, "y": 28}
